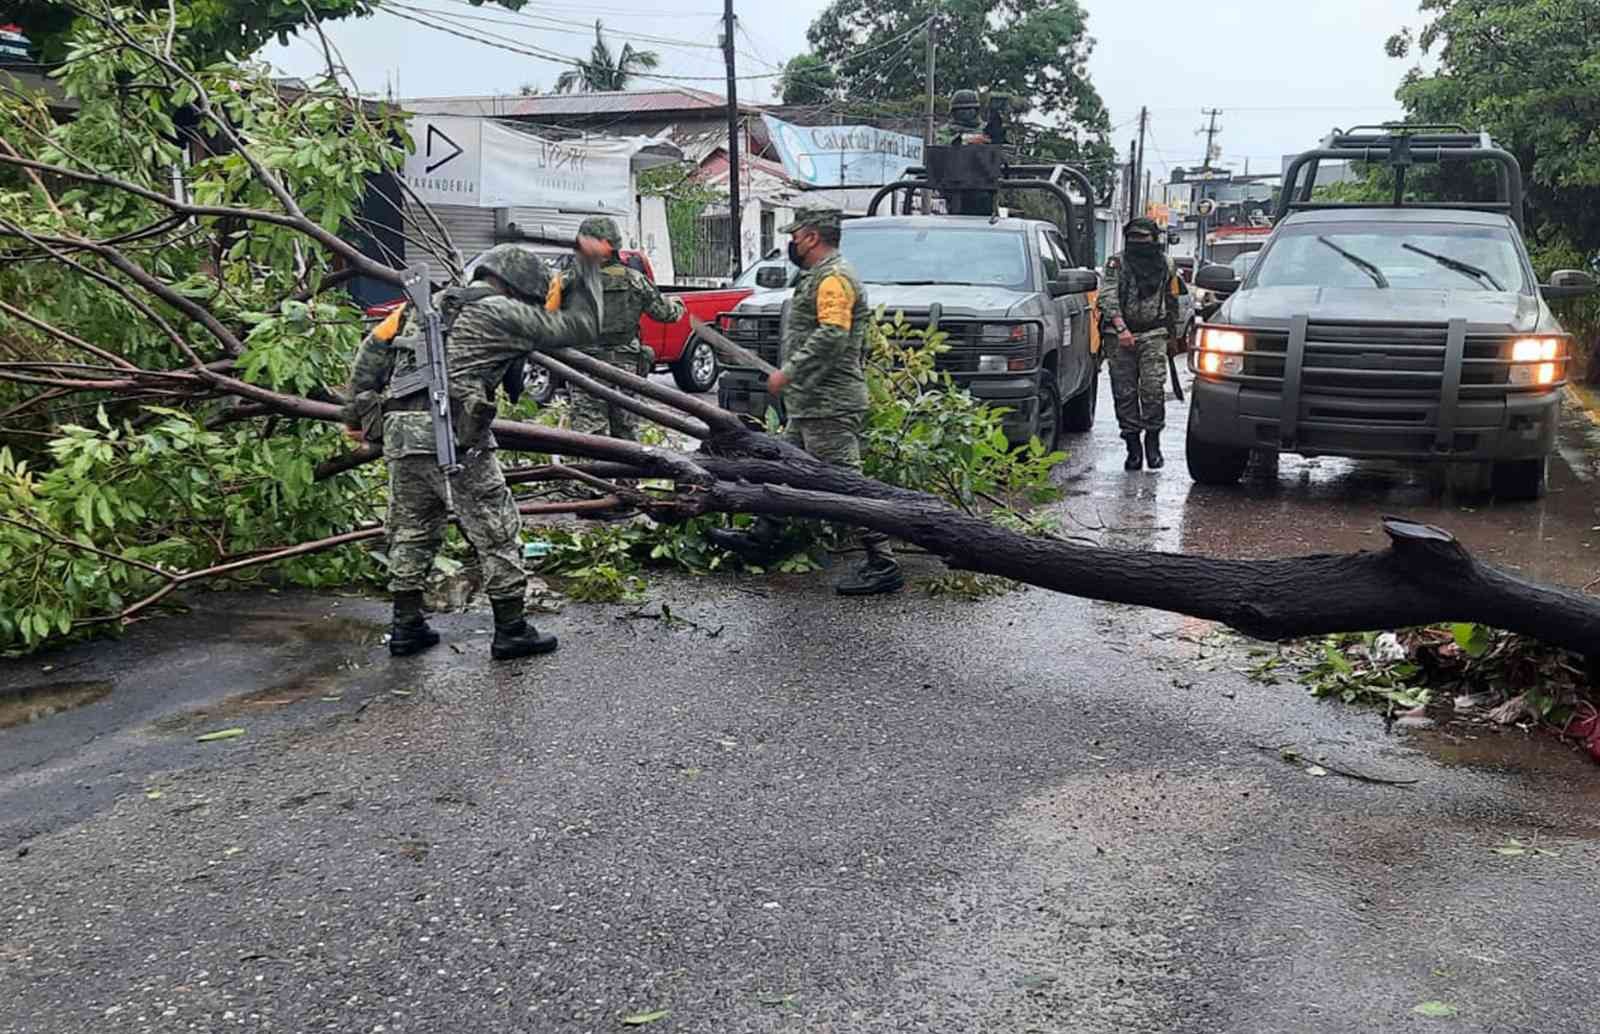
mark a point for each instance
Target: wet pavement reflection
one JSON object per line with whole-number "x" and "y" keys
{"x": 1330, "y": 504}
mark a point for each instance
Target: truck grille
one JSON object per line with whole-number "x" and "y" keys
{"x": 1393, "y": 362}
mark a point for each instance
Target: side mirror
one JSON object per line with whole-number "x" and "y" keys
{"x": 1220, "y": 279}
{"x": 1074, "y": 281}
{"x": 1569, "y": 283}
{"x": 772, "y": 276}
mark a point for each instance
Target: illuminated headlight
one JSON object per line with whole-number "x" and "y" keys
{"x": 1215, "y": 340}
{"x": 1215, "y": 362}
{"x": 1535, "y": 358}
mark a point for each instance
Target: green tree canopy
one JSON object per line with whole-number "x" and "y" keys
{"x": 807, "y": 80}
{"x": 605, "y": 72}
{"x": 211, "y": 29}
{"x": 1035, "y": 50}
{"x": 1528, "y": 72}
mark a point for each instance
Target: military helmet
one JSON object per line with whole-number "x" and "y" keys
{"x": 964, "y": 99}
{"x": 522, "y": 270}
{"x": 1143, "y": 224}
{"x": 601, "y": 228}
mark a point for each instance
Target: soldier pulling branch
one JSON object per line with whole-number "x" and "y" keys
{"x": 486, "y": 328}
{"x": 823, "y": 382}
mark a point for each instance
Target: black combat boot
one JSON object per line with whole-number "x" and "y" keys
{"x": 879, "y": 574}
{"x": 513, "y": 636}
{"x": 1152, "y": 450}
{"x": 762, "y": 545}
{"x": 410, "y": 632}
{"x": 1135, "y": 460}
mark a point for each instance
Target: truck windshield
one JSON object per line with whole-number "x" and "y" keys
{"x": 938, "y": 255}
{"x": 1404, "y": 255}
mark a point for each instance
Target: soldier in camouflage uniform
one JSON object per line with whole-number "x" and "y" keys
{"x": 1139, "y": 311}
{"x": 628, "y": 295}
{"x": 491, "y": 325}
{"x": 823, "y": 382}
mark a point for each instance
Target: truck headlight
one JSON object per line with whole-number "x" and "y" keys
{"x": 1213, "y": 339}
{"x": 992, "y": 363}
{"x": 1535, "y": 361}
{"x": 1221, "y": 351}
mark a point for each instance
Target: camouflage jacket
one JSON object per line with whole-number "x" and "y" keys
{"x": 488, "y": 332}
{"x": 1158, "y": 312}
{"x": 629, "y": 294}
{"x": 825, "y": 343}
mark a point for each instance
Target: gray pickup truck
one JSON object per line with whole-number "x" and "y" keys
{"x": 1398, "y": 329}
{"x": 1006, "y": 291}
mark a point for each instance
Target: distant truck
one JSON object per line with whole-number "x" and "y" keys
{"x": 1013, "y": 295}
{"x": 1401, "y": 329}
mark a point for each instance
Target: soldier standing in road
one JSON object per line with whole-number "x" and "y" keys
{"x": 628, "y": 295}
{"x": 1139, "y": 311}
{"x": 491, "y": 325}
{"x": 823, "y": 383}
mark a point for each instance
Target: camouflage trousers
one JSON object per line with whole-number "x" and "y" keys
{"x": 592, "y": 415}
{"x": 837, "y": 440}
{"x": 1139, "y": 381}
{"x": 484, "y": 510}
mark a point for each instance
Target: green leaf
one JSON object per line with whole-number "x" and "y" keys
{"x": 639, "y": 1019}
{"x": 1435, "y": 1010}
{"x": 1473, "y": 639}
{"x": 220, "y": 734}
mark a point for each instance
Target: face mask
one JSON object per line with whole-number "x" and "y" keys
{"x": 795, "y": 256}
{"x": 1143, "y": 247}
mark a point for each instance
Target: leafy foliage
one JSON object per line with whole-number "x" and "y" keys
{"x": 1527, "y": 73}
{"x": 807, "y": 80}
{"x": 213, "y": 29}
{"x": 1035, "y": 50}
{"x": 187, "y": 485}
{"x": 605, "y": 71}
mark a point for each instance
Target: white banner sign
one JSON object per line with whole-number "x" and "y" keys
{"x": 842, "y": 156}
{"x": 482, "y": 163}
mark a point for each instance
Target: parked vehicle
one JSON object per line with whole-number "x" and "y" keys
{"x": 1412, "y": 330}
{"x": 1013, "y": 296}
{"x": 694, "y": 366}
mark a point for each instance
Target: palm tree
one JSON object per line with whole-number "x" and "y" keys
{"x": 602, "y": 72}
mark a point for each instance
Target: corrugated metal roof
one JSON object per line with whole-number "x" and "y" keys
{"x": 571, "y": 105}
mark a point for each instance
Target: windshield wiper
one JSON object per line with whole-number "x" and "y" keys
{"x": 1366, "y": 267}
{"x": 910, "y": 283}
{"x": 1466, "y": 268}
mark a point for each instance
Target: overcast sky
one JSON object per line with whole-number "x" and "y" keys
{"x": 1282, "y": 73}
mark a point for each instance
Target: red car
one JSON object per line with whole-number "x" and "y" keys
{"x": 694, "y": 368}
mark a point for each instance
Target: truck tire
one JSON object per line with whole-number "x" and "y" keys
{"x": 1048, "y": 426}
{"x": 1519, "y": 479}
{"x": 697, "y": 370}
{"x": 1213, "y": 464}
{"x": 1078, "y": 416}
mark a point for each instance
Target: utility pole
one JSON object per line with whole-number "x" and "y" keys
{"x": 1133, "y": 179}
{"x": 1211, "y": 132}
{"x": 734, "y": 202}
{"x": 927, "y": 132}
{"x": 1138, "y": 165}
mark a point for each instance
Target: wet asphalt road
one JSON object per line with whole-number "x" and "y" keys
{"x": 1032, "y": 813}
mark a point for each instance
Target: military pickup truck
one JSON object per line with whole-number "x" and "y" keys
{"x": 1398, "y": 329}
{"x": 1013, "y": 295}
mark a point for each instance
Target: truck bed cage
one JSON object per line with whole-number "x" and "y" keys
{"x": 1400, "y": 146}
{"x": 982, "y": 170}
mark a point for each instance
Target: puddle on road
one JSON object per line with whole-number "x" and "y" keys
{"x": 1538, "y": 756}
{"x": 31, "y": 703}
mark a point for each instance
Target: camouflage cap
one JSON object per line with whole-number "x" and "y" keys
{"x": 522, "y": 270}
{"x": 1143, "y": 224}
{"x": 813, "y": 219}
{"x": 601, "y": 228}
